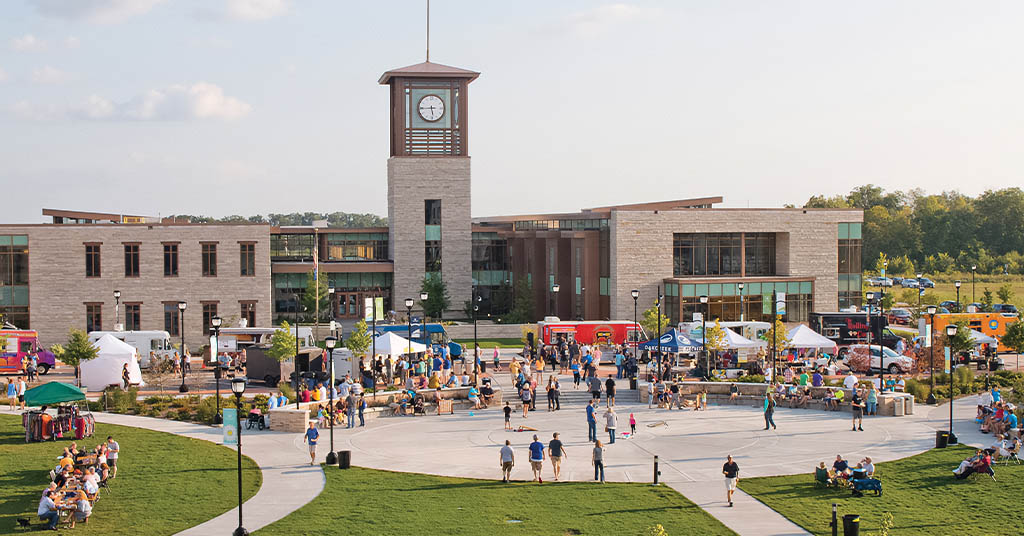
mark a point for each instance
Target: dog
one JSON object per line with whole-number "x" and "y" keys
{"x": 23, "y": 523}
{"x": 861, "y": 485}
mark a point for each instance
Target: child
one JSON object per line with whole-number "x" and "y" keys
{"x": 632, "y": 425}
{"x": 497, "y": 364}
{"x": 508, "y": 416}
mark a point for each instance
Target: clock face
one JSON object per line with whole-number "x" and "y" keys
{"x": 431, "y": 108}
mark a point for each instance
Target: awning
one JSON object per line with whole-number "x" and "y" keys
{"x": 53, "y": 393}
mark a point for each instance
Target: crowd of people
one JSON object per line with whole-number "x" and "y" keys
{"x": 76, "y": 481}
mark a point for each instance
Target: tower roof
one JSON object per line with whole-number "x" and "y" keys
{"x": 428, "y": 70}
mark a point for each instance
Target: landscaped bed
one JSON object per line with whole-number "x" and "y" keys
{"x": 920, "y": 493}
{"x": 368, "y": 501}
{"x": 165, "y": 483}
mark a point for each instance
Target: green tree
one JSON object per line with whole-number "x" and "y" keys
{"x": 961, "y": 342}
{"x": 987, "y": 300}
{"x": 438, "y": 300}
{"x": 522, "y": 304}
{"x": 781, "y": 340}
{"x": 1014, "y": 337}
{"x": 360, "y": 339}
{"x": 317, "y": 290}
{"x": 649, "y": 321}
{"x": 282, "y": 343}
{"x": 1005, "y": 293}
{"x": 78, "y": 349}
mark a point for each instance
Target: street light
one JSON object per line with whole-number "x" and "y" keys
{"x": 476, "y": 347}
{"x": 957, "y": 285}
{"x": 931, "y": 352}
{"x": 920, "y": 292}
{"x": 740, "y": 287}
{"x": 636, "y": 332}
{"x": 238, "y": 387}
{"x": 408, "y": 317}
{"x": 423, "y": 303}
{"x": 215, "y": 323}
{"x": 117, "y": 307}
{"x": 974, "y": 269}
{"x": 950, "y": 333}
{"x": 555, "y": 288}
{"x": 330, "y": 343}
{"x": 181, "y": 327}
{"x": 704, "y": 335}
{"x": 660, "y": 297}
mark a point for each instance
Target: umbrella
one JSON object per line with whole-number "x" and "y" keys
{"x": 392, "y": 344}
{"x": 53, "y": 393}
{"x": 672, "y": 341}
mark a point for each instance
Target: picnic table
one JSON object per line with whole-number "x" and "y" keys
{"x": 86, "y": 461}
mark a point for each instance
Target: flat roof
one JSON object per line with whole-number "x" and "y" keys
{"x": 604, "y": 212}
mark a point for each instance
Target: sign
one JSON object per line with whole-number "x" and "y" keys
{"x": 947, "y": 360}
{"x": 927, "y": 336}
{"x": 230, "y": 426}
{"x": 920, "y": 292}
{"x": 368, "y": 309}
{"x": 766, "y": 304}
{"x": 698, "y": 317}
{"x": 213, "y": 348}
{"x": 780, "y": 303}
{"x": 378, "y": 303}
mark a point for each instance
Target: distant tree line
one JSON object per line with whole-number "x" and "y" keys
{"x": 941, "y": 233}
{"x": 341, "y": 220}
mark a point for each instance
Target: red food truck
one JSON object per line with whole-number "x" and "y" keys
{"x": 591, "y": 332}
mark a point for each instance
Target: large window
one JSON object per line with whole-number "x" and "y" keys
{"x": 725, "y": 302}
{"x": 291, "y": 247}
{"x": 850, "y": 251}
{"x": 357, "y": 246}
{"x": 759, "y": 251}
{"x": 210, "y": 260}
{"x": 131, "y": 260}
{"x": 92, "y": 260}
{"x": 209, "y": 311}
{"x": 93, "y": 316}
{"x": 14, "y": 280}
{"x": 491, "y": 262}
{"x": 432, "y": 221}
{"x": 432, "y": 212}
{"x": 248, "y": 313}
{"x": 704, "y": 254}
{"x": 172, "y": 319}
{"x": 170, "y": 260}
{"x": 247, "y": 259}
{"x": 432, "y": 255}
{"x": 133, "y": 316}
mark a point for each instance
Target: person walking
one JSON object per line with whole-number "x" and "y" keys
{"x": 594, "y": 384}
{"x": 558, "y": 394}
{"x": 312, "y": 434}
{"x": 609, "y": 390}
{"x": 598, "y": 460}
{"x": 508, "y": 416}
{"x": 113, "y": 451}
{"x": 769, "y": 411}
{"x": 551, "y": 393}
{"x": 610, "y": 420}
{"x": 732, "y": 477}
{"x": 362, "y": 408}
{"x": 591, "y": 422}
{"x": 575, "y": 368}
{"x": 857, "y": 408}
{"x": 506, "y": 460}
{"x": 632, "y": 425}
{"x": 527, "y": 397}
{"x": 497, "y": 363}
{"x": 556, "y": 451}
{"x": 12, "y": 393}
{"x": 124, "y": 377}
{"x": 537, "y": 459}
{"x": 21, "y": 391}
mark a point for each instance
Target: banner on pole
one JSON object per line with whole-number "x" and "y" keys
{"x": 368, "y": 309}
{"x": 780, "y": 303}
{"x": 230, "y": 426}
{"x": 947, "y": 359}
{"x": 378, "y": 308}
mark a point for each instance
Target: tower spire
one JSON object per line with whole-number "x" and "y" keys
{"x": 428, "y": 31}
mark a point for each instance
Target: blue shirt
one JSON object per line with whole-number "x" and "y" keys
{"x": 590, "y": 414}
{"x": 272, "y": 402}
{"x": 536, "y": 451}
{"x": 619, "y": 358}
{"x": 816, "y": 380}
{"x": 312, "y": 434}
{"x": 1011, "y": 420}
{"x": 437, "y": 363}
{"x": 996, "y": 395}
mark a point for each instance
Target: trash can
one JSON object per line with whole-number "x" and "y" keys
{"x": 851, "y": 525}
{"x": 898, "y": 406}
{"x": 632, "y": 383}
{"x": 345, "y": 459}
{"x": 941, "y": 439}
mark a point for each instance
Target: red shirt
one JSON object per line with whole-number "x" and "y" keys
{"x": 305, "y": 395}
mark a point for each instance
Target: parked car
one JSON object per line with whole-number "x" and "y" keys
{"x": 949, "y": 304}
{"x": 900, "y": 316}
{"x": 924, "y": 282}
{"x": 1008, "y": 308}
{"x": 909, "y": 283}
{"x": 879, "y": 282}
{"x": 858, "y": 360}
{"x": 978, "y": 307}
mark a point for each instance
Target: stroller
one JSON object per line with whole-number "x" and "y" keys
{"x": 255, "y": 419}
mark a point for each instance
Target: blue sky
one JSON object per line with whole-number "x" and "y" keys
{"x": 224, "y": 107}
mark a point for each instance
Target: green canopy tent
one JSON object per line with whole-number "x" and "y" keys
{"x": 53, "y": 393}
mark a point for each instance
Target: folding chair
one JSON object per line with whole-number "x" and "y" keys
{"x": 103, "y": 485}
{"x": 989, "y": 472}
{"x": 1012, "y": 456}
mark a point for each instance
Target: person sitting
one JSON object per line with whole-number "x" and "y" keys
{"x": 91, "y": 483}
{"x": 803, "y": 398}
{"x": 104, "y": 472}
{"x": 307, "y": 395}
{"x": 999, "y": 444}
{"x": 868, "y": 466}
{"x": 780, "y": 391}
{"x": 83, "y": 509}
{"x": 734, "y": 391}
{"x": 434, "y": 382}
{"x": 792, "y": 393}
{"x": 830, "y": 399}
{"x": 982, "y": 463}
{"x": 840, "y": 395}
{"x": 822, "y": 475}
{"x": 62, "y": 477}
{"x": 47, "y": 510}
{"x": 841, "y": 467}
{"x": 474, "y": 397}
{"x": 67, "y": 461}
{"x": 487, "y": 393}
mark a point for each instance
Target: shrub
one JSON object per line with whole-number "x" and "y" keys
{"x": 749, "y": 378}
{"x": 286, "y": 390}
{"x": 919, "y": 389}
{"x": 206, "y": 410}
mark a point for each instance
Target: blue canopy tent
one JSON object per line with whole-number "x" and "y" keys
{"x": 674, "y": 342}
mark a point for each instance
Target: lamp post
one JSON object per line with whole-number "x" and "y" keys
{"x": 974, "y": 269}
{"x": 423, "y": 303}
{"x": 870, "y": 297}
{"x": 408, "y": 318}
{"x": 950, "y": 333}
{"x": 181, "y": 327}
{"x": 215, "y": 324}
{"x": 636, "y": 332}
{"x": 476, "y": 308}
{"x": 295, "y": 368}
{"x": 957, "y": 285}
{"x": 238, "y": 387}
{"x": 330, "y": 343}
{"x": 920, "y": 292}
{"x": 117, "y": 307}
{"x": 931, "y": 353}
{"x": 704, "y": 335}
{"x": 660, "y": 296}
{"x": 740, "y": 287}
{"x": 554, "y": 289}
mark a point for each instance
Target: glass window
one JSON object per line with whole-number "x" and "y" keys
{"x": 132, "y": 316}
{"x": 856, "y": 231}
{"x": 209, "y": 253}
{"x": 209, "y": 311}
{"x": 760, "y": 254}
{"x": 172, "y": 318}
{"x": 170, "y": 260}
{"x": 696, "y": 254}
{"x": 247, "y": 260}
{"x": 93, "y": 317}
{"x": 291, "y": 247}
{"x": 131, "y": 260}
{"x": 432, "y": 211}
{"x": 92, "y": 260}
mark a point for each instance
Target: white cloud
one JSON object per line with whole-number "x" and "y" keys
{"x": 201, "y": 100}
{"x": 72, "y": 42}
{"x": 600, "y": 19}
{"x": 28, "y": 42}
{"x": 49, "y": 75}
{"x": 257, "y": 9}
{"x": 101, "y": 11}
{"x": 3, "y": 75}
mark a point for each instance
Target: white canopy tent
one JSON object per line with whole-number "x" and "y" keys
{"x": 112, "y": 354}
{"x": 979, "y": 338}
{"x": 391, "y": 344}
{"x": 735, "y": 341}
{"x": 804, "y": 337}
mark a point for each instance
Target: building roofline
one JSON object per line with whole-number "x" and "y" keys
{"x": 427, "y": 69}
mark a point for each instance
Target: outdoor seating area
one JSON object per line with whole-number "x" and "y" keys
{"x": 856, "y": 478}
{"x": 75, "y": 485}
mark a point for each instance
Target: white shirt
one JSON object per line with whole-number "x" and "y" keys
{"x": 46, "y": 505}
{"x": 21, "y": 388}
{"x": 985, "y": 399}
{"x": 506, "y": 454}
{"x": 850, "y": 382}
{"x": 343, "y": 389}
{"x": 112, "y": 449}
{"x": 609, "y": 420}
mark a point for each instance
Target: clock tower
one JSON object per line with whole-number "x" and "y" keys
{"x": 430, "y": 233}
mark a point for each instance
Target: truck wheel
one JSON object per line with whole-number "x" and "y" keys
{"x": 269, "y": 380}
{"x": 893, "y": 369}
{"x": 44, "y": 368}
{"x": 277, "y": 380}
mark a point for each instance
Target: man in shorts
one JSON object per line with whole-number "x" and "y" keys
{"x": 507, "y": 460}
{"x": 857, "y": 408}
{"x": 537, "y": 459}
{"x": 556, "y": 451}
{"x": 732, "y": 477}
{"x": 22, "y": 387}
{"x": 508, "y": 416}
{"x": 113, "y": 450}
{"x": 312, "y": 434}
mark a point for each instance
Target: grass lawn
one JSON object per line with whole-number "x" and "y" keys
{"x": 166, "y": 483}
{"x": 367, "y": 501}
{"x": 505, "y": 342}
{"x": 919, "y": 491}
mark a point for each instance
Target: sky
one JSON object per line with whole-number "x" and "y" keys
{"x": 221, "y": 107}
